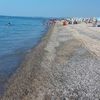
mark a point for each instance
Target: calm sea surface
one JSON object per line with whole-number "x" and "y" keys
{"x": 17, "y": 36}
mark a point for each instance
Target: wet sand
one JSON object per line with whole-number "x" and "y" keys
{"x": 64, "y": 66}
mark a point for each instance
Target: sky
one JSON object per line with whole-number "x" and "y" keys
{"x": 50, "y": 8}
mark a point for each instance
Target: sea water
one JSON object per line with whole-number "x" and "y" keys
{"x": 17, "y": 36}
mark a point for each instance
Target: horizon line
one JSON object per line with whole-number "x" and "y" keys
{"x": 45, "y": 16}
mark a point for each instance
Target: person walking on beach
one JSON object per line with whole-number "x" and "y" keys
{"x": 94, "y": 22}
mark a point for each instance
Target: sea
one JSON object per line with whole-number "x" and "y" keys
{"x": 18, "y": 35}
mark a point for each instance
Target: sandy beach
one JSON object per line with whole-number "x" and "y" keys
{"x": 64, "y": 66}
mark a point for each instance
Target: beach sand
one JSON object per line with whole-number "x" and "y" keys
{"x": 64, "y": 66}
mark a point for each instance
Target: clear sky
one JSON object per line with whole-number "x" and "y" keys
{"x": 50, "y": 8}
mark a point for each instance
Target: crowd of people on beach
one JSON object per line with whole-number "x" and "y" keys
{"x": 66, "y": 21}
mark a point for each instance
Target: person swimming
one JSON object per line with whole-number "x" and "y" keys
{"x": 9, "y": 23}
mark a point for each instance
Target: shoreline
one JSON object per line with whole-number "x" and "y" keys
{"x": 64, "y": 66}
{"x": 33, "y": 53}
{"x": 23, "y": 58}
{"x": 18, "y": 44}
